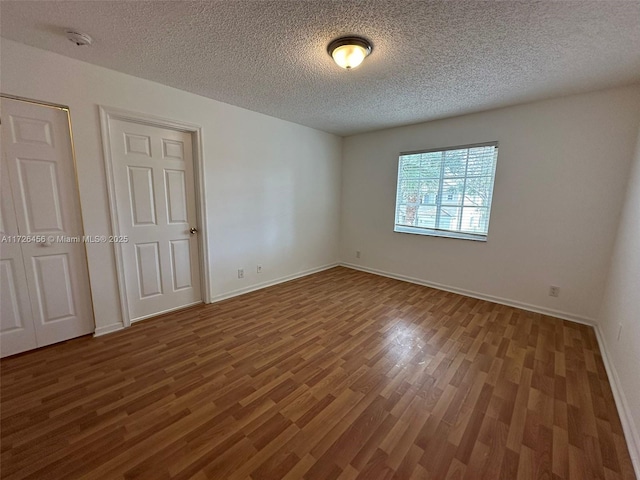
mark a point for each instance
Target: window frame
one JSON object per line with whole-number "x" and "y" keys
{"x": 436, "y": 232}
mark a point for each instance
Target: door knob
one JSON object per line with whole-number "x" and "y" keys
{"x": 193, "y": 230}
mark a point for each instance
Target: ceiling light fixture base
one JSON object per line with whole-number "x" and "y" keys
{"x": 79, "y": 38}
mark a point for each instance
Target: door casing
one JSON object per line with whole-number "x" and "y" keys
{"x": 106, "y": 115}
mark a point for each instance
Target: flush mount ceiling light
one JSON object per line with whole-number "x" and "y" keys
{"x": 349, "y": 52}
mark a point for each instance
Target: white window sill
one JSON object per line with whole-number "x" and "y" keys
{"x": 439, "y": 233}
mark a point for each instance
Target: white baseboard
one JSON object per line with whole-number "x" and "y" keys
{"x": 631, "y": 434}
{"x": 114, "y": 327}
{"x": 259, "y": 286}
{"x": 481, "y": 296}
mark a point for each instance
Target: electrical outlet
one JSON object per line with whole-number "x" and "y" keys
{"x": 357, "y": 253}
{"x": 259, "y": 269}
{"x": 554, "y": 291}
{"x": 241, "y": 273}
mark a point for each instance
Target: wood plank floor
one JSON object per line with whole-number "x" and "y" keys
{"x": 338, "y": 375}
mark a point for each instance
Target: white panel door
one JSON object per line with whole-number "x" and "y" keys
{"x": 155, "y": 198}
{"x": 37, "y": 151}
{"x": 17, "y": 332}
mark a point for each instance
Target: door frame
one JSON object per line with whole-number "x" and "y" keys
{"x": 111, "y": 113}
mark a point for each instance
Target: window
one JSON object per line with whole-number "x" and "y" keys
{"x": 446, "y": 192}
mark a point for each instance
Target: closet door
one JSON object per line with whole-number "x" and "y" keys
{"x": 17, "y": 332}
{"x": 37, "y": 151}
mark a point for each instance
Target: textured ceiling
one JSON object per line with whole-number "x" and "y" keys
{"x": 430, "y": 59}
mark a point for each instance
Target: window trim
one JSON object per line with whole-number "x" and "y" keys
{"x": 434, "y": 232}
{"x": 454, "y": 147}
{"x": 476, "y": 237}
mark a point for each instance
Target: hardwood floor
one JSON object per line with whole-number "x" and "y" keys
{"x": 338, "y": 375}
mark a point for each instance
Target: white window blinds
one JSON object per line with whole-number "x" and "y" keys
{"x": 446, "y": 192}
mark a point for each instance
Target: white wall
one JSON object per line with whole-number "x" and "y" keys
{"x": 621, "y": 306}
{"x": 273, "y": 187}
{"x": 562, "y": 168}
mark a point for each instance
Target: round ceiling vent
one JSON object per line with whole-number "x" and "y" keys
{"x": 78, "y": 38}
